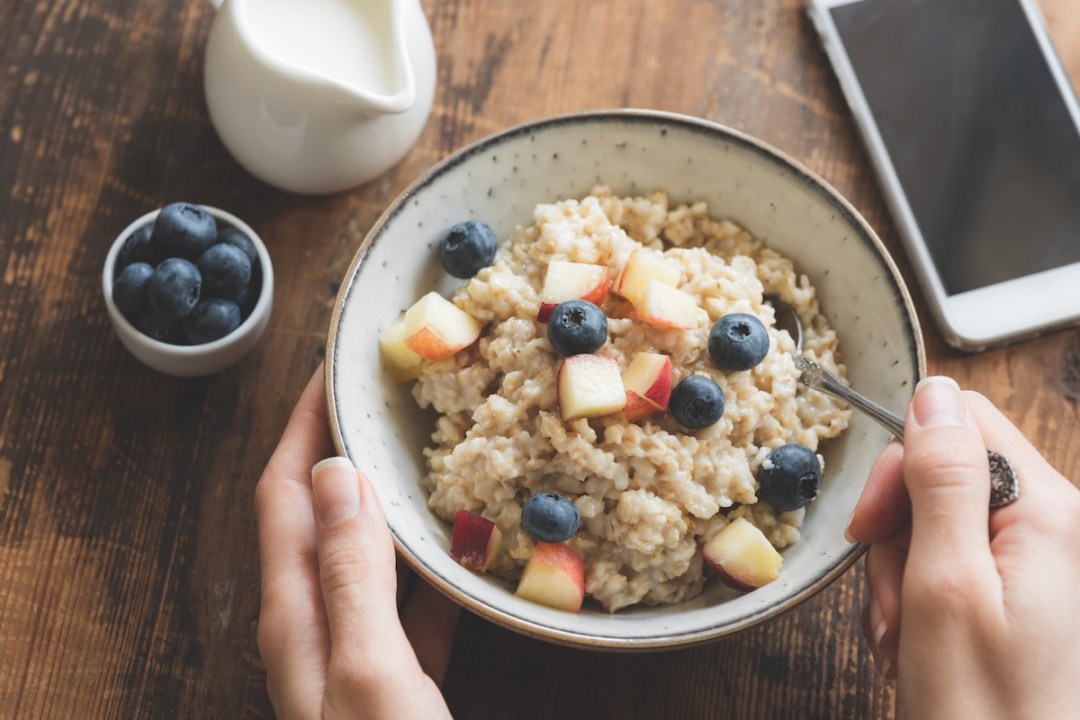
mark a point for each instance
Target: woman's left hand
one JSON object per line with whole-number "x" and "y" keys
{"x": 330, "y": 632}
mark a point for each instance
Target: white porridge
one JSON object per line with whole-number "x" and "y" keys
{"x": 650, "y": 493}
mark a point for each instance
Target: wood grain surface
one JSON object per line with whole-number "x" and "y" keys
{"x": 128, "y": 559}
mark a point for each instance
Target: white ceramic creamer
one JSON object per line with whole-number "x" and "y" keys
{"x": 318, "y": 96}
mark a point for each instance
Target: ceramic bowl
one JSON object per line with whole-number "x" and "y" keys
{"x": 192, "y": 360}
{"x": 377, "y": 424}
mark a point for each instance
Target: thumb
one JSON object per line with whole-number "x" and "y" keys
{"x": 947, "y": 477}
{"x": 356, "y": 564}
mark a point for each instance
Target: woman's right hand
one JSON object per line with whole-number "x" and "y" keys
{"x": 975, "y": 612}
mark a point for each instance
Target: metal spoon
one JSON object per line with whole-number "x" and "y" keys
{"x": 1004, "y": 487}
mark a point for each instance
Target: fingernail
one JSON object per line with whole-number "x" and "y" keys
{"x": 938, "y": 402}
{"x": 847, "y": 530}
{"x": 335, "y": 488}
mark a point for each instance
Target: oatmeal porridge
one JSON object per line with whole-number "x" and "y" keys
{"x": 649, "y": 492}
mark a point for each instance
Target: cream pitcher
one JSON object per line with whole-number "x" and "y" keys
{"x": 318, "y": 96}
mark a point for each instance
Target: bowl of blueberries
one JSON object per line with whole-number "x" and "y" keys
{"x": 189, "y": 289}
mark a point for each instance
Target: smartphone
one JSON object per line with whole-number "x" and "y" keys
{"x": 974, "y": 131}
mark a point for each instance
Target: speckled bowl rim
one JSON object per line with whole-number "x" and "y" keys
{"x": 645, "y": 117}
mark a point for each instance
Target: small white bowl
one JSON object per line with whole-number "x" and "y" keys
{"x": 500, "y": 179}
{"x": 192, "y": 360}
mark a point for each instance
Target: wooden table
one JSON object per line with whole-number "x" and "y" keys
{"x": 128, "y": 564}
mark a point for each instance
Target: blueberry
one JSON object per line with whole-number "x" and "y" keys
{"x": 738, "y": 341}
{"x": 577, "y": 326}
{"x": 211, "y": 319}
{"x": 246, "y": 298}
{"x": 550, "y": 517}
{"x": 239, "y": 239}
{"x": 129, "y": 289}
{"x": 138, "y": 247}
{"x": 184, "y": 230}
{"x": 174, "y": 288}
{"x": 789, "y": 477}
{"x": 225, "y": 270}
{"x": 152, "y": 325}
{"x": 468, "y": 248}
{"x": 696, "y": 402}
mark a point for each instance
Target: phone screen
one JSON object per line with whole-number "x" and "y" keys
{"x": 977, "y": 131}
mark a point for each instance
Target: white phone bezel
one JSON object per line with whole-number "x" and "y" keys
{"x": 988, "y": 316}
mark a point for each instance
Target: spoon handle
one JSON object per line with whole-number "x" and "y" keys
{"x": 1004, "y": 486}
{"x": 817, "y": 377}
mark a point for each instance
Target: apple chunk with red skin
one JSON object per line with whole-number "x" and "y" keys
{"x": 742, "y": 556}
{"x": 554, "y": 576}
{"x": 573, "y": 281}
{"x": 647, "y": 380}
{"x": 642, "y": 266}
{"x": 402, "y": 363}
{"x": 664, "y": 306}
{"x": 436, "y": 328}
{"x": 589, "y": 386}
{"x": 474, "y": 540}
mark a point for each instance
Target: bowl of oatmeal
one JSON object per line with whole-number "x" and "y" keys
{"x": 452, "y": 393}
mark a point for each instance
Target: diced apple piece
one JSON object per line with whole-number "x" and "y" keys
{"x": 644, "y": 265}
{"x": 474, "y": 540}
{"x": 664, "y": 306}
{"x": 402, "y": 363}
{"x": 573, "y": 281}
{"x": 647, "y": 380}
{"x": 436, "y": 328}
{"x": 742, "y": 556}
{"x": 637, "y": 407}
{"x": 589, "y": 386}
{"x": 554, "y": 576}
